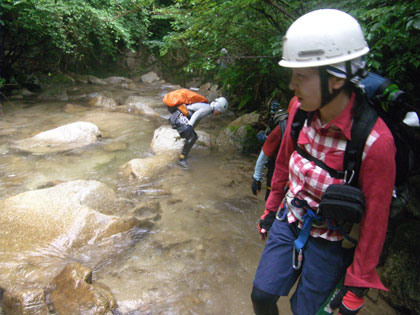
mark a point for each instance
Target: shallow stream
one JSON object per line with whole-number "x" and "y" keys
{"x": 200, "y": 255}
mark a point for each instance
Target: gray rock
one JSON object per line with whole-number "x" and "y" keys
{"x": 150, "y": 77}
{"x": 62, "y": 138}
{"x": 167, "y": 139}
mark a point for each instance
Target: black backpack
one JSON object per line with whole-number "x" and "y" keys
{"x": 385, "y": 100}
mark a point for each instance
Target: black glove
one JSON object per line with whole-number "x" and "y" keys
{"x": 349, "y": 300}
{"x": 256, "y": 186}
{"x": 267, "y": 220}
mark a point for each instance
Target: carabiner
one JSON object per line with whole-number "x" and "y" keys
{"x": 299, "y": 259}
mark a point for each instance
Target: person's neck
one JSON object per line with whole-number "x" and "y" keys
{"x": 334, "y": 108}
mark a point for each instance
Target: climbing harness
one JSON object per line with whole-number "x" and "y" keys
{"x": 309, "y": 217}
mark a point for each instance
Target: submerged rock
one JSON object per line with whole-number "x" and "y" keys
{"x": 48, "y": 225}
{"x": 74, "y": 292}
{"x": 148, "y": 168}
{"x": 103, "y": 101}
{"x": 25, "y": 302}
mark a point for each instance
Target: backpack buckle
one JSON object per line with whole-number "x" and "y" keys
{"x": 351, "y": 176}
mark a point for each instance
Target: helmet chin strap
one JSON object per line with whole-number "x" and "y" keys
{"x": 326, "y": 96}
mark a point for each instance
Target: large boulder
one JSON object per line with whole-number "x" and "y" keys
{"x": 166, "y": 139}
{"x": 44, "y": 224}
{"x": 237, "y": 139}
{"x": 70, "y": 136}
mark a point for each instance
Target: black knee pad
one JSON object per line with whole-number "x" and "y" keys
{"x": 264, "y": 303}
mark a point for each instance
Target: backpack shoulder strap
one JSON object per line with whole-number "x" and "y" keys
{"x": 283, "y": 125}
{"x": 360, "y": 131}
{"x": 297, "y": 124}
{"x": 299, "y": 120}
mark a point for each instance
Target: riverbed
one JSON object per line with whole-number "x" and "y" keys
{"x": 201, "y": 254}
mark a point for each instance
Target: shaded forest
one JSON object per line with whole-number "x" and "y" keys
{"x": 236, "y": 44}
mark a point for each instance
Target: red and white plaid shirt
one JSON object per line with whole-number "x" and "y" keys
{"x": 308, "y": 182}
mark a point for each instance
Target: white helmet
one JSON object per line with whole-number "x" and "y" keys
{"x": 323, "y": 37}
{"x": 220, "y": 104}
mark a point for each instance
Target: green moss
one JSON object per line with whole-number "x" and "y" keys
{"x": 233, "y": 129}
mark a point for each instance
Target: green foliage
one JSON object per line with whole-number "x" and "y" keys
{"x": 235, "y": 43}
{"x": 238, "y": 42}
{"x": 392, "y": 30}
{"x": 69, "y": 32}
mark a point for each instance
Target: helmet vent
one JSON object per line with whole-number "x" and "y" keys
{"x": 311, "y": 53}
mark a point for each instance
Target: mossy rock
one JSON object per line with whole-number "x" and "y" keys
{"x": 401, "y": 271}
{"x": 240, "y": 139}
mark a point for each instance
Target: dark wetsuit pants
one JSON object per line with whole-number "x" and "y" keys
{"x": 190, "y": 137}
{"x": 324, "y": 264}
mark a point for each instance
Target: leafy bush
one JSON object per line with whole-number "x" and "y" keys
{"x": 46, "y": 35}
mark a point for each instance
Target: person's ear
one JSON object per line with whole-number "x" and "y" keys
{"x": 335, "y": 83}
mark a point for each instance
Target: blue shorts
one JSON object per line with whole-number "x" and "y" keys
{"x": 324, "y": 264}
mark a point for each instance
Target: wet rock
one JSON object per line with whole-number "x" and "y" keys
{"x": 103, "y": 101}
{"x": 148, "y": 168}
{"x": 210, "y": 91}
{"x": 48, "y": 224}
{"x": 142, "y": 109}
{"x": 81, "y": 78}
{"x": 167, "y": 139}
{"x": 16, "y": 97}
{"x": 401, "y": 270}
{"x": 94, "y": 80}
{"x": 117, "y": 80}
{"x": 150, "y": 211}
{"x": 25, "y": 302}
{"x": 23, "y": 92}
{"x": 247, "y": 119}
{"x": 239, "y": 136}
{"x": 152, "y": 102}
{"x": 53, "y": 94}
{"x": 150, "y": 77}
{"x": 73, "y": 292}
{"x": 128, "y": 86}
{"x": 74, "y": 135}
{"x": 242, "y": 139}
{"x": 115, "y": 146}
{"x": 73, "y": 108}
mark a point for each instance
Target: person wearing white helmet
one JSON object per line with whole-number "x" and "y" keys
{"x": 185, "y": 124}
{"x": 325, "y": 50}
{"x": 219, "y": 105}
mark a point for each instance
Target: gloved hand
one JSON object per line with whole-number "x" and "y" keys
{"x": 349, "y": 300}
{"x": 266, "y": 222}
{"x": 256, "y": 186}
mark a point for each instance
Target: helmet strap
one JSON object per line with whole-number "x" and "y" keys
{"x": 326, "y": 96}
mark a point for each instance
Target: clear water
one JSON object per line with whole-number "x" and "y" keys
{"x": 202, "y": 251}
